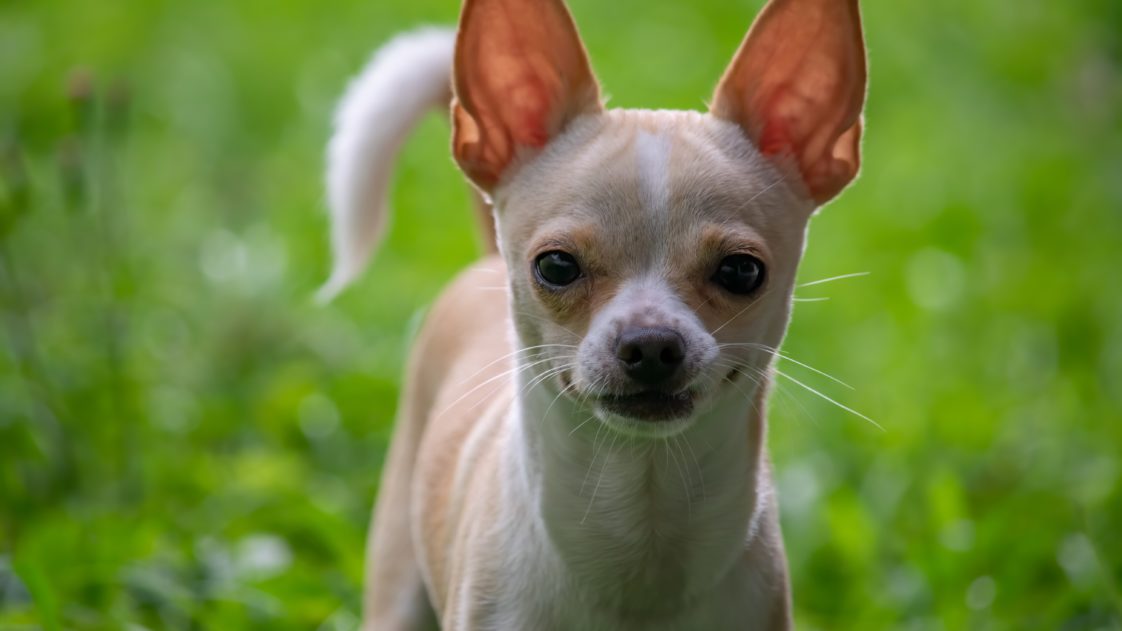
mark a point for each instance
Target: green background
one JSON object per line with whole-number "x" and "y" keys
{"x": 187, "y": 442}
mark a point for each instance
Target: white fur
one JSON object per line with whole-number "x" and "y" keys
{"x": 405, "y": 79}
{"x": 652, "y": 157}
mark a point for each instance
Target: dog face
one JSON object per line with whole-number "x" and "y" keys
{"x": 660, "y": 244}
{"x": 652, "y": 255}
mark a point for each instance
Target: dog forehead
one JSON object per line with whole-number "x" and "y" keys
{"x": 646, "y": 171}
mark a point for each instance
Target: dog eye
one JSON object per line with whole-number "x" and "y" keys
{"x": 740, "y": 274}
{"x": 557, "y": 268}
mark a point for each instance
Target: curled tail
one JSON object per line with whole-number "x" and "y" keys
{"x": 406, "y": 78}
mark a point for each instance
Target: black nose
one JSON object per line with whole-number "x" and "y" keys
{"x": 652, "y": 355}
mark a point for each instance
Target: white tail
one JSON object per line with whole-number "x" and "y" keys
{"x": 405, "y": 79}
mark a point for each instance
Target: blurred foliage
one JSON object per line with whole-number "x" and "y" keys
{"x": 187, "y": 442}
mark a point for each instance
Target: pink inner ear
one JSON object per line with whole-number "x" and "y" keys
{"x": 797, "y": 86}
{"x": 803, "y": 126}
{"x": 520, "y": 74}
{"x": 775, "y": 135}
{"x": 532, "y": 107}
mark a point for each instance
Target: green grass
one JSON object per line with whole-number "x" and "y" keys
{"x": 187, "y": 442}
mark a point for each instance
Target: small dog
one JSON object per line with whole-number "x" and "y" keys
{"x": 586, "y": 451}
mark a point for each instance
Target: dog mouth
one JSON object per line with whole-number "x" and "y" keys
{"x": 649, "y": 405}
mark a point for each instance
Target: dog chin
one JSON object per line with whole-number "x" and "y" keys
{"x": 648, "y": 414}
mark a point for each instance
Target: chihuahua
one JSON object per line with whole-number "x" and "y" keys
{"x": 585, "y": 449}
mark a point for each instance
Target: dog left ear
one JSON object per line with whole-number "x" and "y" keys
{"x": 520, "y": 74}
{"x": 797, "y": 87}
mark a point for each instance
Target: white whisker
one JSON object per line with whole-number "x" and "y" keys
{"x": 512, "y": 354}
{"x": 506, "y": 373}
{"x": 738, "y": 314}
{"x": 595, "y": 452}
{"x": 826, "y": 398}
{"x": 682, "y": 476}
{"x": 788, "y": 396}
{"x": 552, "y": 372}
{"x": 833, "y": 278}
{"x": 785, "y": 357}
{"x": 697, "y": 466}
{"x": 764, "y": 190}
{"x": 582, "y": 424}
{"x": 600, "y": 479}
{"x": 559, "y": 394}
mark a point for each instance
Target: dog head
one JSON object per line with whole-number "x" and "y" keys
{"x": 652, "y": 254}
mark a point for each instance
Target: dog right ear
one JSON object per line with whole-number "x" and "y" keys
{"x": 520, "y": 74}
{"x": 797, "y": 87}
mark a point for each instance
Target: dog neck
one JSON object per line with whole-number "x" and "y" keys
{"x": 651, "y": 521}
